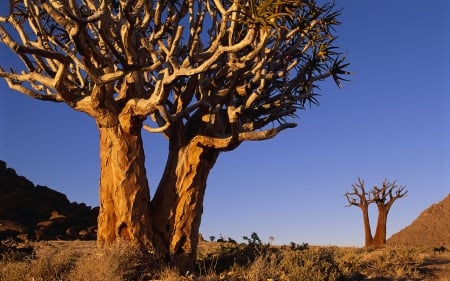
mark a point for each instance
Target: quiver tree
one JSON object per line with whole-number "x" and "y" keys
{"x": 383, "y": 197}
{"x": 206, "y": 74}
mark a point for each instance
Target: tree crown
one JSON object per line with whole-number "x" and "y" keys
{"x": 385, "y": 195}
{"x": 225, "y": 70}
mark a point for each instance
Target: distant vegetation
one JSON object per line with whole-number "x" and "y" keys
{"x": 253, "y": 261}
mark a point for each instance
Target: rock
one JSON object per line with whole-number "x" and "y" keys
{"x": 44, "y": 224}
{"x": 23, "y": 237}
{"x": 38, "y": 211}
{"x": 11, "y": 249}
{"x": 56, "y": 217}
{"x": 72, "y": 232}
{"x": 84, "y": 234}
{"x": 430, "y": 228}
{"x": 11, "y": 226}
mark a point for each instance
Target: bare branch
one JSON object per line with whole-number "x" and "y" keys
{"x": 262, "y": 60}
{"x": 388, "y": 193}
{"x": 265, "y": 134}
{"x": 359, "y": 195}
{"x": 382, "y": 196}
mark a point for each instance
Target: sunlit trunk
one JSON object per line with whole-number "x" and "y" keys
{"x": 379, "y": 239}
{"x": 178, "y": 203}
{"x": 124, "y": 190}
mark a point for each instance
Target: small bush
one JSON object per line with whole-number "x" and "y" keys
{"x": 263, "y": 268}
{"x": 13, "y": 271}
{"x": 388, "y": 262}
{"x": 53, "y": 264}
{"x": 232, "y": 254}
{"x": 313, "y": 264}
{"x": 121, "y": 262}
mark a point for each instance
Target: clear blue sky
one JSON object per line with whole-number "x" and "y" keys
{"x": 391, "y": 121}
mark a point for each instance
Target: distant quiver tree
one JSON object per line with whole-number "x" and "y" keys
{"x": 383, "y": 197}
{"x": 207, "y": 74}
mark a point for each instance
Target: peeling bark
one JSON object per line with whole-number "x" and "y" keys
{"x": 178, "y": 203}
{"x": 124, "y": 192}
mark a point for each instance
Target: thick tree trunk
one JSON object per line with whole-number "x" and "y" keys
{"x": 379, "y": 239}
{"x": 124, "y": 192}
{"x": 367, "y": 229}
{"x": 178, "y": 203}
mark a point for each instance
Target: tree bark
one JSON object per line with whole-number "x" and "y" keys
{"x": 178, "y": 203}
{"x": 124, "y": 191}
{"x": 367, "y": 228}
{"x": 379, "y": 239}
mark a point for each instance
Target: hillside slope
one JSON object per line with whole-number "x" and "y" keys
{"x": 430, "y": 228}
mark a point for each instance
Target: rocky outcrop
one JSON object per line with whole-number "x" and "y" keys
{"x": 30, "y": 212}
{"x": 430, "y": 228}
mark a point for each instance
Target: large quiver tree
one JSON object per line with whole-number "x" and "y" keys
{"x": 206, "y": 74}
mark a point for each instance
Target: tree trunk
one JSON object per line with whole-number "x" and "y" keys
{"x": 124, "y": 192}
{"x": 178, "y": 203}
{"x": 379, "y": 239}
{"x": 367, "y": 229}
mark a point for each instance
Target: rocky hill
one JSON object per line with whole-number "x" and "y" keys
{"x": 430, "y": 228}
{"x": 29, "y": 212}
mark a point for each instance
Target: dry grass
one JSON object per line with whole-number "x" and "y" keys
{"x": 76, "y": 261}
{"x": 80, "y": 261}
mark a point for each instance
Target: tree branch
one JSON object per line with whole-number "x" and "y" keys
{"x": 265, "y": 134}
{"x": 359, "y": 195}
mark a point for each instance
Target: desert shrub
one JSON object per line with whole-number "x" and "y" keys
{"x": 69, "y": 262}
{"x": 313, "y": 264}
{"x": 13, "y": 250}
{"x": 169, "y": 274}
{"x": 388, "y": 262}
{"x": 13, "y": 270}
{"x": 261, "y": 269}
{"x": 230, "y": 254}
{"x": 297, "y": 247}
{"x": 52, "y": 263}
{"x": 49, "y": 264}
{"x": 392, "y": 262}
{"x": 120, "y": 262}
{"x": 349, "y": 260}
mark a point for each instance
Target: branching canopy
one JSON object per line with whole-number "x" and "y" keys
{"x": 382, "y": 196}
{"x": 227, "y": 70}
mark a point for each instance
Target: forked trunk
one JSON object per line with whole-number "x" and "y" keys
{"x": 178, "y": 203}
{"x": 124, "y": 192}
